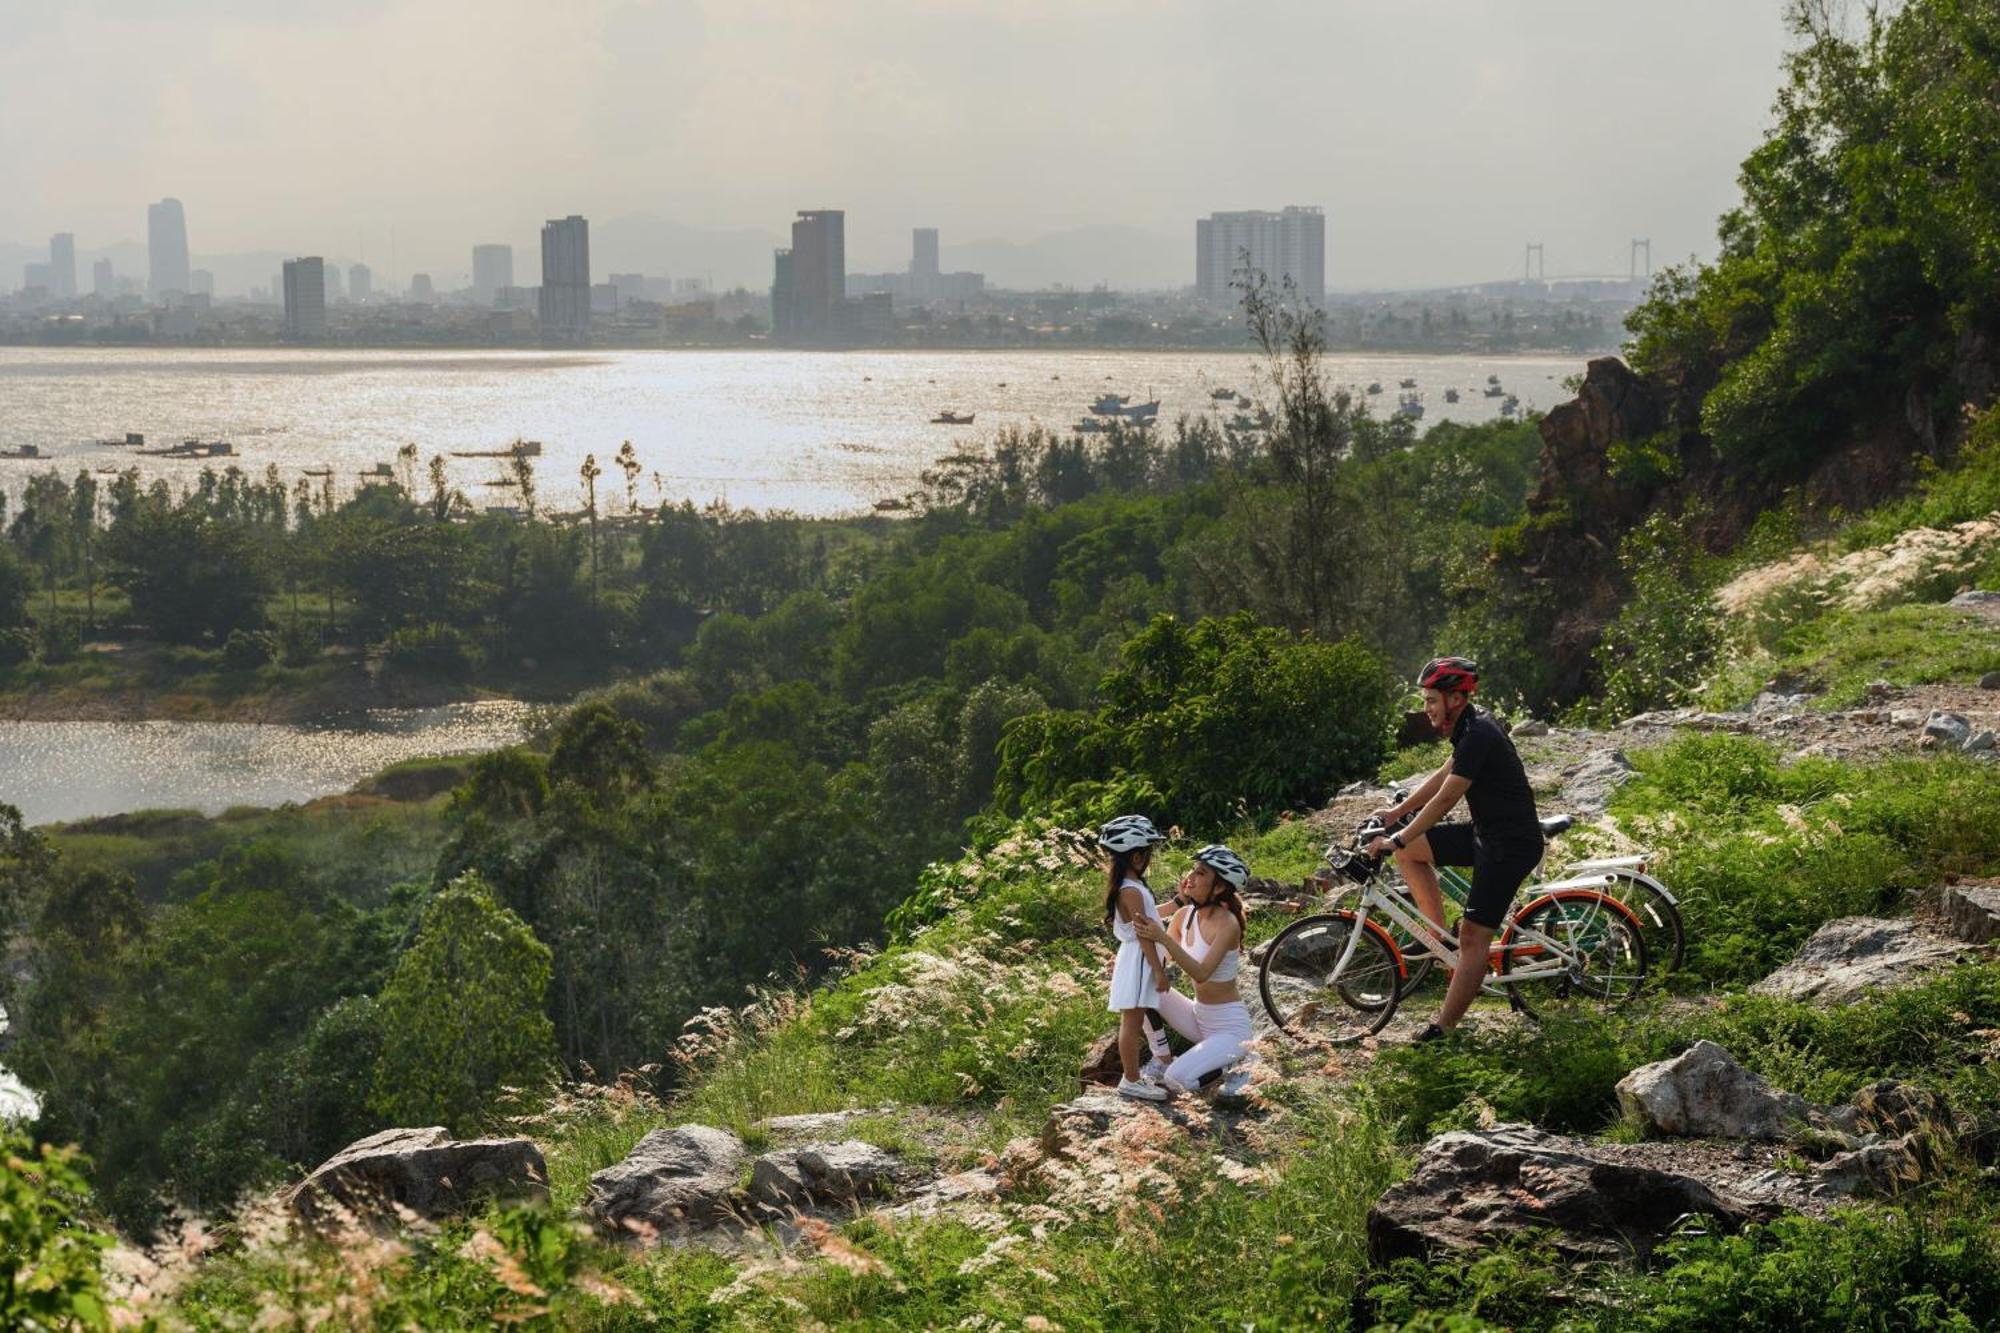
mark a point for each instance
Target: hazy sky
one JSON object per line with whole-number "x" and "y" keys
{"x": 1438, "y": 134}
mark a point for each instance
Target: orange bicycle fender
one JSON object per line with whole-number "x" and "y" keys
{"x": 1565, "y": 894}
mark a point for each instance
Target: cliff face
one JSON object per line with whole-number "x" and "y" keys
{"x": 1566, "y": 565}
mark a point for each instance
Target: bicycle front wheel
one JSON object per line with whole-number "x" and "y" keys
{"x": 1579, "y": 950}
{"x": 1311, "y": 996}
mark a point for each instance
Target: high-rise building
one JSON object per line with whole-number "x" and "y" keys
{"x": 305, "y": 299}
{"x": 104, "y": 279}
{"x": 202, "y": 283}
{"x": 421, "y": 290}
{"x": 62, "y": 266}
{"x": 565, "y": 295}
{"x": 924, "y": 252}
{"x": 784, "y": 314}
{"x": 492, "y": 269}
{"x": 166, "y": 248}
{"x": 819, "y": 273}
{"x": 1288, "y": 244}
{"x": 360, "y": 283}
{"x": 336, "y": 286}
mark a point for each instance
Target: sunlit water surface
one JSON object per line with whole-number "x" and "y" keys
{"x": 816, "y": 432}
{"x": 75, "y": 770}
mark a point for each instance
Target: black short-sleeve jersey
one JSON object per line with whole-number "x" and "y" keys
{"x": 1500, "y": 801}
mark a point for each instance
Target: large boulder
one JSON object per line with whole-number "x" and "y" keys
{"x": 1100, "y": 1112}
{"x": 822, "y": 1173}
{"x": 421, "y": 1171}
{"x": 673, "y": 1179}
{"x": 1475, "y": 1188}
{"x": 1855, "y": 954}
{"x": 1973, "y": 908}
{"x": 1588, "y": 788}
{"x": 1704, "y": 1093}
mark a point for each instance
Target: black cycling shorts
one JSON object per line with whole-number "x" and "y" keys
{"x": 1499, "y": 867}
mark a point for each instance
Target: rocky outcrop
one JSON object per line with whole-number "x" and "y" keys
{"x": 1973, "y": 908}
{"x": 822, "y": 1174}
{"x": 1100, "y": 1112}
{"x": 424, "y": 1172}
{"x": 1704, "y": 1093}
{"x": 673, "y": 1179}
{"x": 1589, "y": 787}
{"x": 1478, "y": 1187}
{"x": 1856, "y": 954}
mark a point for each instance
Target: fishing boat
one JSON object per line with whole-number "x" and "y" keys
{"x": 379, "y": 473}
{"x": 1492, "y": 379}
{"x": 950, "y": 418}
{"x": 1374, "y": 386}
{"x": 26, "y": 451}
{"x": 193, "y": 448}
{"x": 1495, "y": 391}
{"x": 317, "y": 472}
{"x": 1091, "y": 426}
{"x": 519, "y": 449}
{"x": 891, "y": 506}
{"x": 1409, "y": 404}
{"x": 1140, "y": 412}
{"x": 1511, "y": 406}
{"x": 1223, "y": 395}
{"x": 1410, "y": 383}
{"x": 1451, "y": 395}
{"x": 133, "y": 440}
{"x": 1110, "y": 404}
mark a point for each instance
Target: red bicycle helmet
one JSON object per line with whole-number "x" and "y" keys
{"x": 1453, "y": 675}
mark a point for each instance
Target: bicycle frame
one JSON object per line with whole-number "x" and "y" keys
{"x": 1513, "y": 939}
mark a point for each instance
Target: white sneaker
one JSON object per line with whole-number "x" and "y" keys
{"x": 1153, "y": 1070}
{"x": 1141, "y": 1091}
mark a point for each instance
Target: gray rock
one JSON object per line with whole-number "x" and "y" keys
{"x": 813, "y": 1122}
{"x": 1734, "y": 722}
{"x": 1844, "y": 958}
{"x": 673, "y": 1179}
{"x": 423, "y": 1170}
{"x": 822, "y": 1174}
{"x": 1704, "y": 1093}
{"x": 1977, "y": 599}
{"x": 1909, "y": 719}
{"x": 1980, "y": 741}
{"x": 1990, "y": 681}
{"x": 1885, "y": 1168}
{"x": 1100, "y": 1112}
{"x": 1529, "y": 728}
{"x": 1771, "y": 701}
{"x": 1893, "y": 1108}
{"x": 1949, "y": 728}
{"x": 1102, "y": 1066}
{"x": 1973, "y": 908}
{"x": 1475, "y": 1188}
{"x": 1588, "y": 789}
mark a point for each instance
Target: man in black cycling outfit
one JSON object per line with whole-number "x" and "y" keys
{"x": 1502, "y": 842}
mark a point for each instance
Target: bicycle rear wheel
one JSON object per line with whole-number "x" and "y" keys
{"x": 1605, "y": 946}
{"x": 1304, "y": 997}
{"x": 1659, "y": 918}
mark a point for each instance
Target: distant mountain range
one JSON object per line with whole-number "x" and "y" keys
{"x": 1124, "y": 258}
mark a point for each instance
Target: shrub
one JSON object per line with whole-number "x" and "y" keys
{"x": 248, "y": 649}
{"x": 18, "y": 646}
{"x": 1665, "y": 638}
{"x": 432, "y": 652}
{"x": 50, "y": 1259}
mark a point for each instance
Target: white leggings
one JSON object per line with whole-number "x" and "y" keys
{"x": 1219, "y": 1033}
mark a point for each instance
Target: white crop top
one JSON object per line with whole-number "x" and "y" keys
{"x": 1198, "y": 947}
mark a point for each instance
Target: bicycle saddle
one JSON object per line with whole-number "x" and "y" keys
{"x": 1556, "y": 824}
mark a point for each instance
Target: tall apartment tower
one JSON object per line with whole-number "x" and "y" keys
{"x": 103, "y": 279}
{"x": 360, "y": 283}
{"x": 492, "y": 269}
{"x": 62, "y": 266}
{"x": 166, "y": 248}
{"x": 305, "y": 299}
{"x": 1287, "y": 244}
{"x": 784, "y": 307}
{"x": 565, "y": 296}
{"x": 819, "y": 272}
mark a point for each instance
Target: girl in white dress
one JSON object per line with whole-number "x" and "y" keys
{"x": 1137, "y": 978}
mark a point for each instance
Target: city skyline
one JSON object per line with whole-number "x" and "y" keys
{"x": 1433, "y": 173}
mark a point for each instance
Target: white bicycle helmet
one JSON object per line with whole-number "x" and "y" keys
{"x": 1129, "y": 833}
{"x": 1224, "y": 863}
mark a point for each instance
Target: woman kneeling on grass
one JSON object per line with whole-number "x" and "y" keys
{"x": 1205, "y": 939}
